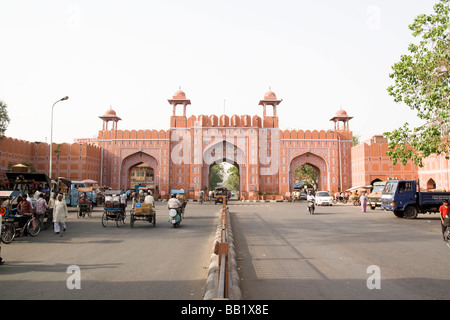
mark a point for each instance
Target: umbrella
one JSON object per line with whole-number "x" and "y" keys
{"x": 90, "y": 181}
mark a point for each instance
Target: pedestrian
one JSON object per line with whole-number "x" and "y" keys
{"x": 444, "y": 218}
{"x": 363, "y": 200}
{"x": 1, "y": 260}
{"x": 51, "y": 205}
{"x": 60, "y": 214}
{"x": 123, "y": 201}
{"x": 40, "y": 207}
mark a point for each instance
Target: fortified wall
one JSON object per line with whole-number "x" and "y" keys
{"x": 182, "y": 156}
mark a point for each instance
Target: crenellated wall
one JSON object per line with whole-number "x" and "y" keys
{"x": 74, "y": 161}
{"x": 370, "y": 162}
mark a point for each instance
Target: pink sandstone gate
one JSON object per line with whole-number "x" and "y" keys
{"x": 267, "y": 157}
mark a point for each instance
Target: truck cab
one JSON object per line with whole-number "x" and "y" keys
{"x": 405, "y": 199}
{"x": 397, "y": 194}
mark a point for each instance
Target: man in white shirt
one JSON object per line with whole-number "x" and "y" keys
{"x": 173, "y": 202}
{"x": 149, "y": 199}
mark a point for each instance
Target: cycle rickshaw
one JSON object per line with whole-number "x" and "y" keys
{"x": 113, "y": 210}
{"x": 13, "y": 224}
{"x": 84, "y": 203}
{"x": 143, "y": 212}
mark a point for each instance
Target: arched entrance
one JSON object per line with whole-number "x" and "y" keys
{"x": 431, "y": 184}
{"x": 226, "y": 175}
{"x": 317, "y": 162}
{"x": 139, "y": 162}
{"x": 141, "y": 174}
{"x": 375, "y": 180}
{"x": 224, "y": 152}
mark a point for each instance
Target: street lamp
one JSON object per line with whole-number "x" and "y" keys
{"x": 340, "y": 160}
{"x": 51, "y": 138}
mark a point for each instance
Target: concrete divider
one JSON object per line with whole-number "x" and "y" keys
{"x": 213, "y": 280}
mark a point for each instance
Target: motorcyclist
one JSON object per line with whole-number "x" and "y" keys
{"x": 310, "y": 197}
{"x": 174, "y": 203}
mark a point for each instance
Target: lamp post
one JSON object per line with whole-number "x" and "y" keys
{"x": 51, "y": 138}
{"x": 340, "y": 160}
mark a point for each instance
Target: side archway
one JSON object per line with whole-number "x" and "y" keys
{"x": 317, "y": 162}
{"x": 134, "y": 160}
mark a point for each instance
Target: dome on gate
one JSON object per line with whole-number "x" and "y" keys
{"x": 179, "y": 95}
{"x": 270, "y": 95}
{"x": 341, "y": 113}
{"x": 110, "y": 112}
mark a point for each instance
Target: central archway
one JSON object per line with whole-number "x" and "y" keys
{"x": 220, "y": 152}
{"x": 315, "y": 161}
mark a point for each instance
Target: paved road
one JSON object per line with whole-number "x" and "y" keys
{"x": 285, "y": 253}
{"x": 139, "y": 263}
{"x": 282, "y": 253}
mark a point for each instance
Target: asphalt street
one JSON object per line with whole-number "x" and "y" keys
{"x": 162, "y": 263}
{"x": 284, "y": 253}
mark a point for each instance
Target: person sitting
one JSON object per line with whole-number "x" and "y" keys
{"x": 174, "y": 203}
{"x": 149, "y": 199}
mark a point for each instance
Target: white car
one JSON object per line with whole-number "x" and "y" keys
{"x": 323, "y": 198}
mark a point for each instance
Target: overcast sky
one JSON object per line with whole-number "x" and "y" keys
{"x": 318, "y": 56}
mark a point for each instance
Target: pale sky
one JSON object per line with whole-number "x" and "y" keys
{"x": 318, "y": 56}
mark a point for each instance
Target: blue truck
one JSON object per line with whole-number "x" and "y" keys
{"x": 406, "y": 200}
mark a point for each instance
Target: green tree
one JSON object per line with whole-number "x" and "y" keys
{"x": 307, "y": 173}
{"x": 232, "y": 182}
{"x": 4, "y": 119}
{"x": 216, "y": 175}
{"x": 421, "y": 81}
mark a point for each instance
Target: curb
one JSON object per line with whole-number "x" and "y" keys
{"x": 212, "y": 281}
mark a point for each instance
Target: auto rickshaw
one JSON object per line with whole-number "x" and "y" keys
{"x": 220, "y": 193}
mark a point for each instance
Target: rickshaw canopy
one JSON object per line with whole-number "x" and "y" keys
{"x": 7, "y": 193}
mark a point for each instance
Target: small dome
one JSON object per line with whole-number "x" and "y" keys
{"x": 179, "y": 95}
{"x": 270, "y": 95}
{"x": 110, "y": 112}
{"x": 341, "y": 113}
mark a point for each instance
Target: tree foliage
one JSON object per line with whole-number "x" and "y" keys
{"x": 4, "y": 119}
{"x": 421, "y": 81}
{"x": 232, "y": 182}
{"x": 216, "y": 175}
{"x": 309, "y": 174}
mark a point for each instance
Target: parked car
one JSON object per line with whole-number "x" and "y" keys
{"x": 323, "y": 198}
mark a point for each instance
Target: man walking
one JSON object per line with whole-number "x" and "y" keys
{"x": 40, "y": 207}
{"x": 444, "y": 212}
{"x": 60, "y": 214}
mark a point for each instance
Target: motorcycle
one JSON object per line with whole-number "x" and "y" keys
{"x": 175, "y": 217}
{"x": 311, "y": 206}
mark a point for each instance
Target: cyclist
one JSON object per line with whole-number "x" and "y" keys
{"x": 24, "y": 208}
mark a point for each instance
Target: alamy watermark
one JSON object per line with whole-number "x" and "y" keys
{"x": 74, "y": 280}
{"x": 374, "y": 280}
{"x": 255, "y": 149}
{"x": 373, "y": 21}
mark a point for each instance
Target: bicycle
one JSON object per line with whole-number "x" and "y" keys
{"x": 11, "y": 228}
